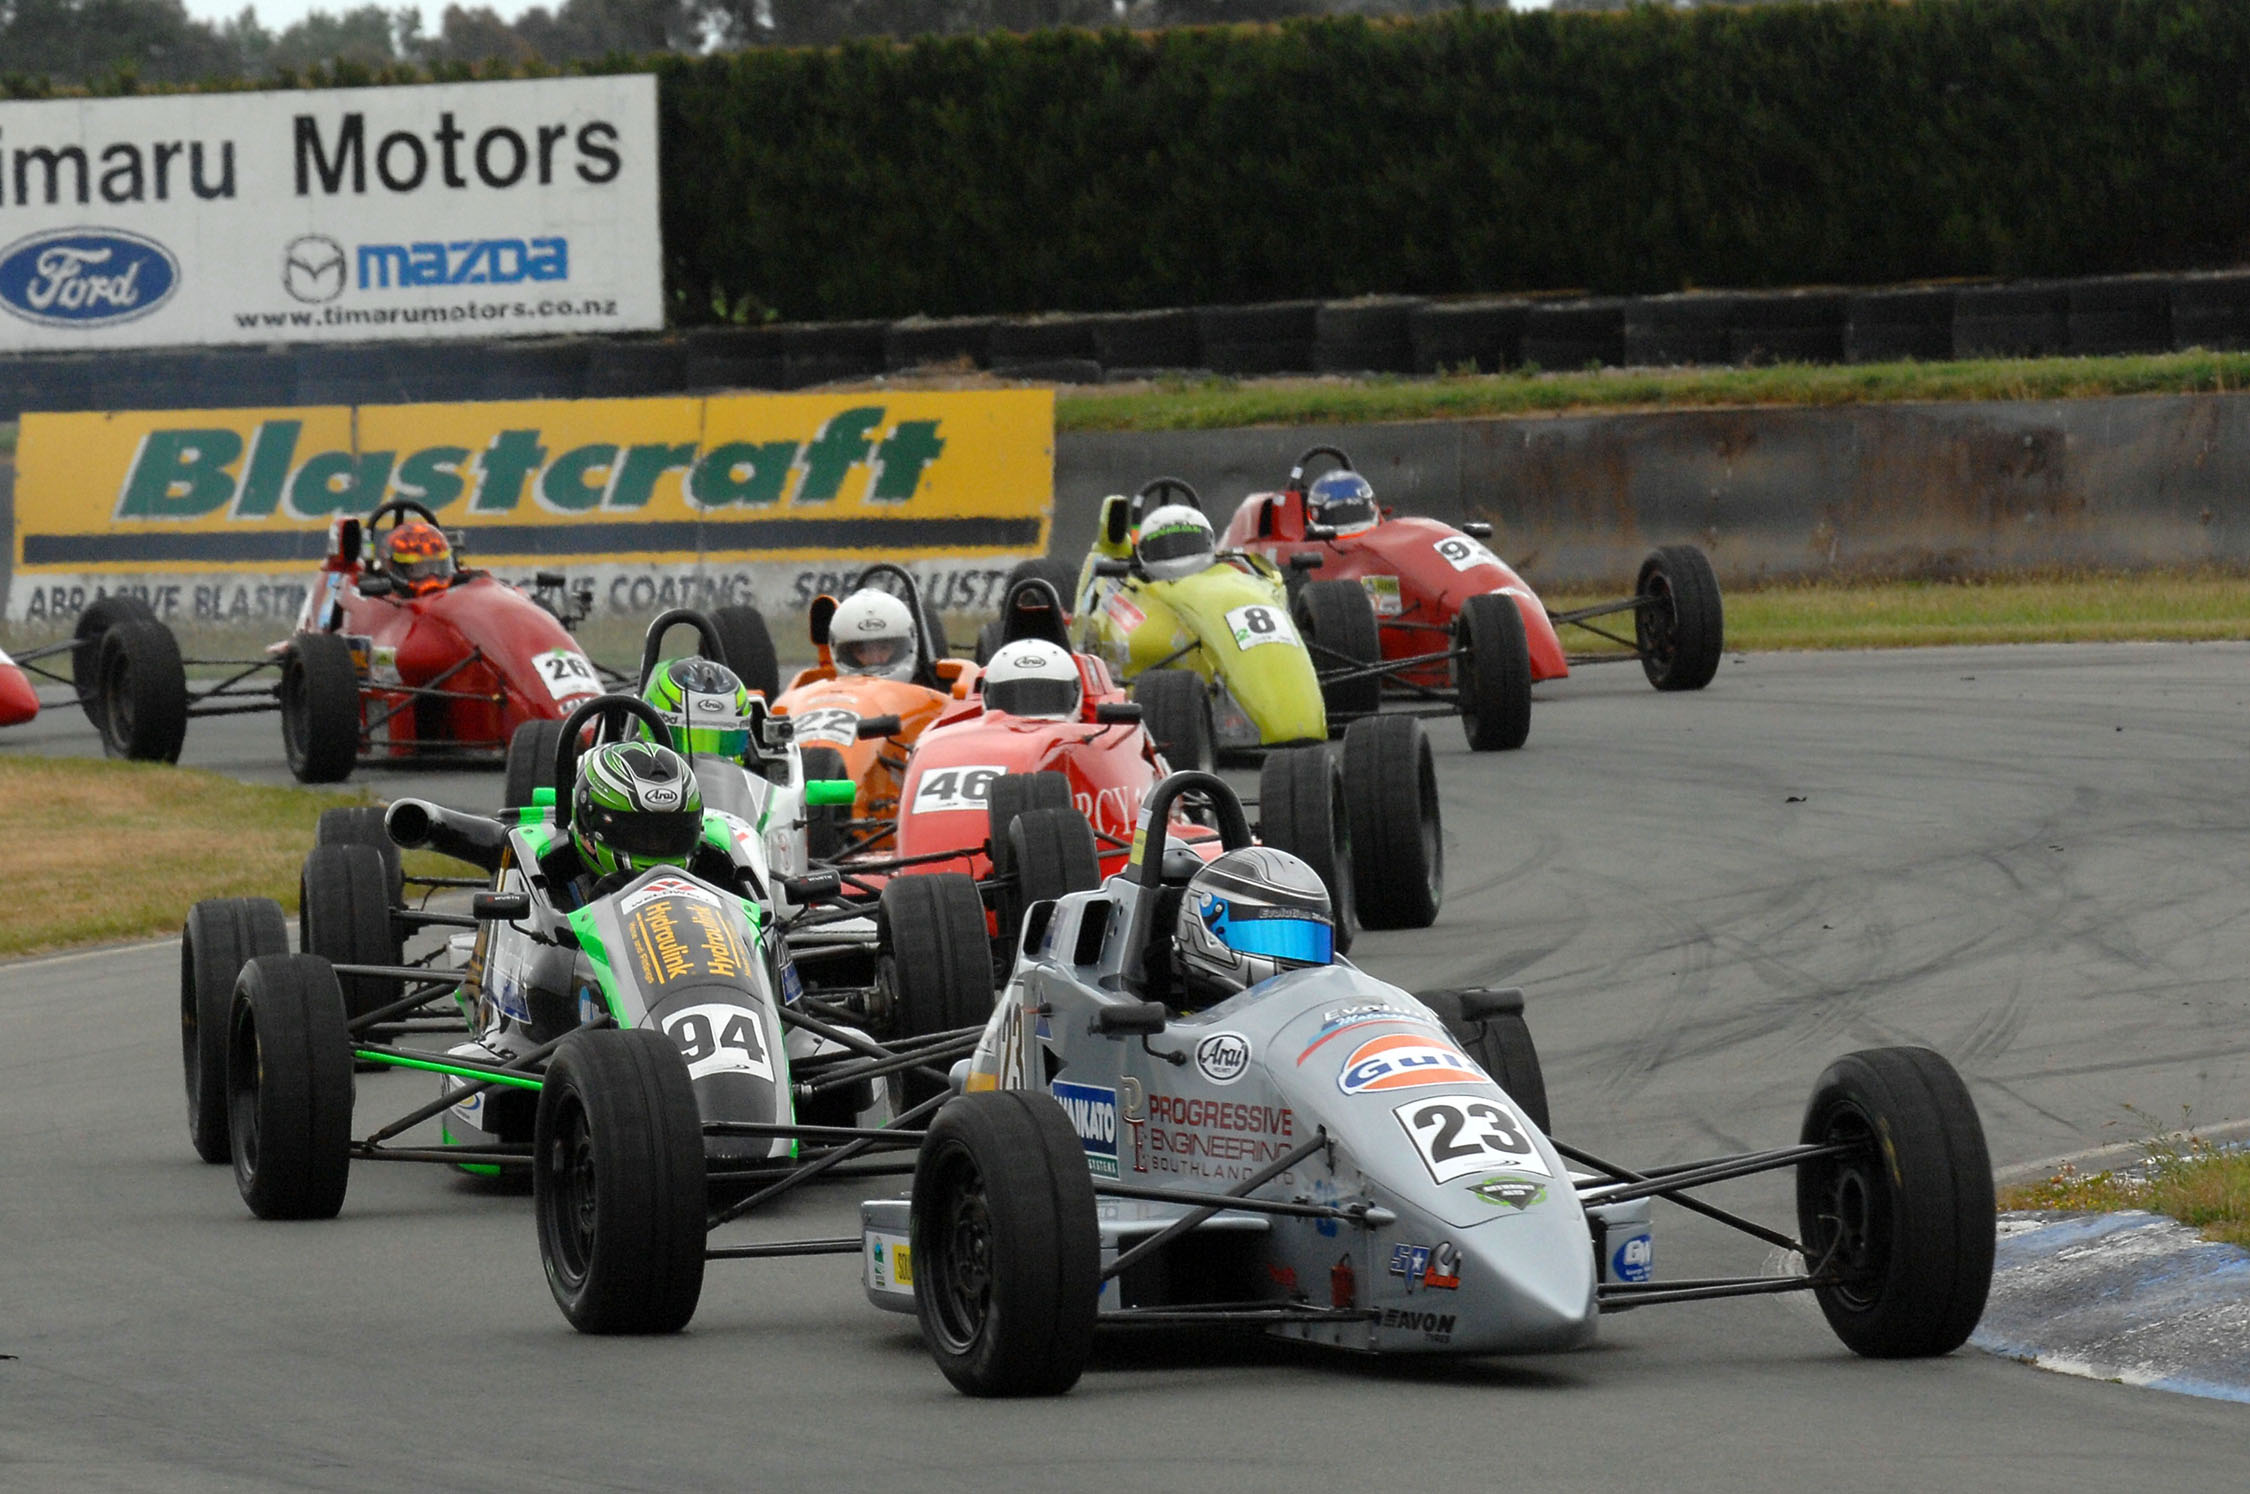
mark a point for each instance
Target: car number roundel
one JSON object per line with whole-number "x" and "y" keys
{"x": 716, "y": 1039}
{"x": 566, "y": 673}
{"x": 1260, "y": 623}
{"x": 1463, "y": 553}
{"x": 1456, "y": 1135}
{"x": 944, "y": 789}
{"x": 1406, "y": 1060}
{"x": 830, "y": 724}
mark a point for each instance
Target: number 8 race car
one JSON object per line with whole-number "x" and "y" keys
{"x": 1328, "y": 1158}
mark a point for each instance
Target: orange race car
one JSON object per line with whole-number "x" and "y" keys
{"x": 878, "y": 683}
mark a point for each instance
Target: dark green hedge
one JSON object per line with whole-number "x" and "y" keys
{"x": 1642, "y": 151}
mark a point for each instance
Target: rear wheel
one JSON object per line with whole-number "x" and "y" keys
{"x": 618, "y": 1183}
{"x": 345, "y": 918}
{"x": 934, "y": 955}
{"x": 531, "y": 762}
{"x": 101, "y": 614}
{"x": 1007, "y": 1255}
{"x": 748, "y": 645}
{"x": 289, "y": 1088}
{"x": 1051, "y": 853}
{"x": 1489, "y": 1025}
{"x": 1302, "y": 810}
{"x": 1905, "y": 1222}
{"x": 1397, "y": 842}
{"x": 1492, "y": 674}
{"x": 1012, "y": 794}
{"x": 1338, "y": 623}
{"x": 1176, "y": 709}
{"x": 825, "y": 824}
{"x": 143, "y": 693}
{"x": 362, "y": 825}
{"x": 1680, "y": 624}
{"x": 220, "y": 937}
{"x": 320, "y": 708}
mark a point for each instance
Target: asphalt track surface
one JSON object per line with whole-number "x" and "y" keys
{"x": 2030, "y": 859}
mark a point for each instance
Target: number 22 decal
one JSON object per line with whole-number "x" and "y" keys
{"x": 1460, "y": 1134}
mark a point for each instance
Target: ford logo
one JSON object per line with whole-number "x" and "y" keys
{"x": 86, "y": 277}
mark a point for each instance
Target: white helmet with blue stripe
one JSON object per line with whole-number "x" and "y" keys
{"x": 1247, "y": 917}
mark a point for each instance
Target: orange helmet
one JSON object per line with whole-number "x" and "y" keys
{"x": 418, "y": 557}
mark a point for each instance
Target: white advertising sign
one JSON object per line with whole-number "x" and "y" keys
{"x": 330, "y": 215}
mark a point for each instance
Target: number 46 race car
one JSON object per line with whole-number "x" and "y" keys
{"x": 1325, "y": 1157}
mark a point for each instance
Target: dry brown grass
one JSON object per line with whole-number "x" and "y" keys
{"x": 2184, "y": 1177}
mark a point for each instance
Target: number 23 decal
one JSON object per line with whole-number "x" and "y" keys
{"x": 1460, "y": 1134}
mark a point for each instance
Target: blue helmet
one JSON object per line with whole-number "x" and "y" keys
{"x": 1248, "y": 916}
{"x": 1343, "y": 501}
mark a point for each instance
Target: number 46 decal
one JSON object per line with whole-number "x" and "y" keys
{"x": 1460, "y": 1134}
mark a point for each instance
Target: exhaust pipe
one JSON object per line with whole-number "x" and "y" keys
{"x": 417, "y": 823}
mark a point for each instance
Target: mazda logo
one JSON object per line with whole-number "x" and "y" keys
{"x": 312, "y": 268}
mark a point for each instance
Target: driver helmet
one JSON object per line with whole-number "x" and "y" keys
{"x": 1173, "y": 542}
{"x": 418, "y": 558}
{"x": 1033, "y": 679}
{"x": 873, "y": 633}
{"x": 1343, "y": 501}
{"x": 1247, "y": 917}
{"x": 634, "y": 805}
{"x": 705, "y": 705}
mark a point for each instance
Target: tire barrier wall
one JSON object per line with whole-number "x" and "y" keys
{"x": 1914, "y": 490}
{"x": 1374, "y": 335}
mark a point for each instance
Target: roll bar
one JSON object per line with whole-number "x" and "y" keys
{"x": 1147, "y": 865}
{"x": 706, "y": 632}
{"x": 1297, "y": 469}
{"x": 600, "y": 713}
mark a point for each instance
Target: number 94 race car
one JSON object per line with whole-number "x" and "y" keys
{"x": 1325, "y": 1157}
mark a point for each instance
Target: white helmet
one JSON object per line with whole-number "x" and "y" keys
{"x": 1033, "y": 679}
{"x": 873, "y": 633}
{"x": 1174, "y": 541}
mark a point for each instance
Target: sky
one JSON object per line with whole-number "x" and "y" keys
{"x": 276, "y": 15}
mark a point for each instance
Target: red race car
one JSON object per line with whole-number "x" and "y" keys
{"x": 1423, "y": 577}
{"x": 17, "y": 702}
{"x": 399, "y": 653}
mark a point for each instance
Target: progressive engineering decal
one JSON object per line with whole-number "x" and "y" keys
{"x": 549, "y": 483}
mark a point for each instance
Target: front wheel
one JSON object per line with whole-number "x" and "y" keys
{"x": 1303, "y": 809}
{"x": 1680, "y": 624}
{"x": 143, "y": 693}
{"x": 320, "y": 708}
{"x": 289, "y": 1088}
{"x": 220, "y": 937}
{"x": 1007, "y": 1254}
{"x": 1903, "y": 1223}
{"x": 1051, "y": 854}
{"x": 344, "y": 916}
{"x": 1492, "y": 673}
{"x": 1397, "y": 840}
{"x": 618, "y": 1183}
{"x": 934, "y": 955}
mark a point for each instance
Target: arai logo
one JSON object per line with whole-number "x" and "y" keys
{"x": 1223, "y": 1057}
{"x": 86, "y": 277}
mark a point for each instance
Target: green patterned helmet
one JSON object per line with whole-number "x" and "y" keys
{"x": 705, "y": 703}
{"x": 635, "y": 805}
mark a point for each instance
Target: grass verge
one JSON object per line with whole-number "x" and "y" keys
{"x": 98, "y": 850}
{"x": 1221, "y": 404}
{"x": 2181, "y": 1176}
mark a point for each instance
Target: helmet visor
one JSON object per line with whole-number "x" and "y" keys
{"x": 667, "y": 834}
{"x": 1350, "y": 512}
{"x": 1033, "y": 697}
{"x": 1279, "y": 935}
{"x": 871, "y": 653}
{"x": 415, "y": 572}
{"x": 1176, "y": 543}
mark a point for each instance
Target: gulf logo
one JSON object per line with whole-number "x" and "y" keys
{"x": 1405, "y": 1060}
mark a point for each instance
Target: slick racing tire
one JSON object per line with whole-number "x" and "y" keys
{"x": 825, "y": 824}
{"x": 320, "y": 708}
{"x": 345, "y": 906}
{"x": 101, "y": 615}
{"x": 220, "y": 937}
{"x": 1051, "y": 853}
{"x": 1492, "y": 674}
{"x": 1397, "y": 841}
{"x": 1905, "y": 1222}
{"x": 618, "y": 1183}
{"x": 934, "y": 956}
{"x": 1489, "y": 1026}
{"x": 142, "y": 693}
{"x": 1681, "y": 623}
{"x": 531, "y": 762}
{"x": 1012, "y": 794}
{"x": 289, "y": 1088}
{"x": 748, "y": 645}
{"x": 1302, "y": 809}
{"x": 1176, "y": 710}
{"x": 1338, "y": 624}
{"x": 1007, "y": 1254}
{"x": 362, "y": 825}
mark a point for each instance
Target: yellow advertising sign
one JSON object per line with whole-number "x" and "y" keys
{"x": 897, "y": 476}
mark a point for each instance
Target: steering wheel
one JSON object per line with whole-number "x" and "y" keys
{"x": 398, "y": 510}
{"x": 609, "y": 715}
{"x": 1234, "y": 834}
{"x": 1297, "y": 469}
{"x": 1165, "y": 490}
{"x": 706, "y": 633}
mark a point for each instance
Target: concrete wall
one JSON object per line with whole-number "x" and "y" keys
{"x": 1910, "y": 489}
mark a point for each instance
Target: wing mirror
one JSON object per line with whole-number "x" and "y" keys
{"x": 499, "y": 907}
{"x": 375, "y": 585}
{"x": 879, "y": 726}
{"x": 822, "y": 793}
{"x": 1307, "y": 560}
{"x": 1477, "y": 529}
{"x": 811, "y": 889}
{"x": 1129, "y": 1019}
{"x": 1118, "y": 712}
{"x": 1113, "y": 566}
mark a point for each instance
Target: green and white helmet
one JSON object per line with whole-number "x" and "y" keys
{"x": 705, "y": 705}
{"x": 635, "y": 805}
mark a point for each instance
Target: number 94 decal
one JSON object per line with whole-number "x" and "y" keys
{"x": 1456, "y": 1135}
